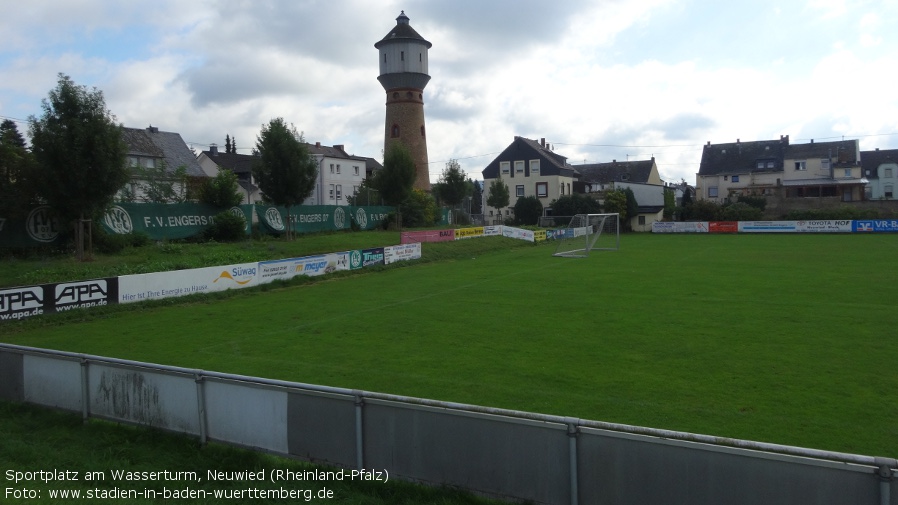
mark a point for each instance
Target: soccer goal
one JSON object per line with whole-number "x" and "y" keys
{"x": 588, "y": 232}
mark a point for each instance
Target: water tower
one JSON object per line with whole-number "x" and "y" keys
{"x": 403, "y": 74}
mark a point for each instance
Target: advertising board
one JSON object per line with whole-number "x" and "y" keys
{"x": 402, "y": 252}
{"x": 21, "y": 302}
{"x": 823, "y": 226}
{"x": 875, "y": 225}
{"x": 140, "y": 287}
{"x": 723, "y": 227}
{"x": 680, "y": 227}
{"x": 767, "y": 226}
{"x": 462, "y": 233}
{"x": 517, "y": 233}
{"x": 411, "y": 237}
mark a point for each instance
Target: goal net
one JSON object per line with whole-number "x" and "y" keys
{"x": 588, "y": 232}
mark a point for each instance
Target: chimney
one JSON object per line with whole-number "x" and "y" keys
{"x": 737, "y": 141}
{"x": 812, "y": 141}
{"x": 317, "y": 144}
{"x": 339, "y": 147}
{"x": 213, "y": 149}
{"x": 542, "y": 142}
{"x": 152, "y": 129}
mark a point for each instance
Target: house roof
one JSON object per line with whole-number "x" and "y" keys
{"x": 402, "y": 31}
{"x": 617, "y": 171}
{"x": 237, "y": 163}
{"x": 526, "y": 149}
{"x": 168, "y": 146}
{"x": 842, "y": 152}
{"x": 742, "y": 157}
{"x": 871, "y": 160}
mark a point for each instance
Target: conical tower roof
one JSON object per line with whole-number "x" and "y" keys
{"x": 402, "y": 32}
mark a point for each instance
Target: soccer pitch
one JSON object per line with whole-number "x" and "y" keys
{"x": 776, "y": 338}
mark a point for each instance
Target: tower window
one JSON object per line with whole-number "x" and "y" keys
{"x": 422, "y": 130}
{"x": 395, "y": 131}
{"x": 420, "y": 57}
{"x": 385, "y": 57}
{"x": 402, "y": 55}
{"x": 395, "y": 95}
{"x": 408, "y": 94}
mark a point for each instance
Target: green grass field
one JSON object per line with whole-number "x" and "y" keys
{"x": 776, "y": 338}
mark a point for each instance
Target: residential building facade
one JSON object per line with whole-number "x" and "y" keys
{"x": 213, "y": 160}
{"x": 528, "y": 168}
{"x": 153, "y": 150}
{"x": 880, "y": 168}
{"x": 640, "y": 176}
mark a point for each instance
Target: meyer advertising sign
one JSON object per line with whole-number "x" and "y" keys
{"x": 21, "y": 302}
{"x": 875, "y": 225}
{"x": 309, "y": 265}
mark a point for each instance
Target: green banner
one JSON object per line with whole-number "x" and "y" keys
{"x": 38, "y": 228}
{"x": 312, "y": 218}
{"x": 166, "y": 220}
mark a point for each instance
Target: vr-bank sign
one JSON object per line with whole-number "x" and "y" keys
{"x": 876, "y": 225}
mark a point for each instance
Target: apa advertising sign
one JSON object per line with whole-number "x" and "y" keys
{"x": 402, "y": 252}
{"x": 21, "y": 302}
{"x": 875, "y": 225}
{"x": 140, "y": 287}
{"x": 411, "y": 237}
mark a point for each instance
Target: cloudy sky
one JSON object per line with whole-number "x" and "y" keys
{"x": 598, "y": 79}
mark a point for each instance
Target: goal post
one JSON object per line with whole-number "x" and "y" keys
{"x": 588, "y": 232}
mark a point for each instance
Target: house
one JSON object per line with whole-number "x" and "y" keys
{"x": 213, "y": 160}
{"x": 824, "y": 169}
{"x": 528, "y": 168}
{"x": 339, "y": 174}
{"x": 154, "y": 151}
{"x": 778, "y": 168}
{"x": 880, "y": 168}
{"x": 640, "y": 176}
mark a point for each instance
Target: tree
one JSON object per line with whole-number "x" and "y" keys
{"x": 452, "y": 184}
{"x": 158, "y": 185}
{"x": 396, "y": 179}
{"x": 227, "y": 144}
{"x": 632, "y": 205}
{"x": 498, "y": 196}
{"x": 420, "y": 210}
{"x": 365, "y": 195}
{"x": 670, "y": 203}
{"x": 221, "y": 191}
{"x": 528, "y": 210}
{"x": 80, "y": 155}
{"x": 577, "y": 203}
{"x": 616, "y": 201}
{"x": 16, "y": 164}
{"x": 284, "y": 171}
{"x": 476, "y": 197}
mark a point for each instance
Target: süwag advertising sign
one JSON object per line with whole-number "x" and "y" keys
{"x": 141, "y": 287}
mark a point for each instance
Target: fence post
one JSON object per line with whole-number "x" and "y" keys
{"x": 572, "y": 431}
{"x": 884, "y": 471}
{"x": 85, "y": 390}
{"x": 359, "y": 441}
{"x": 201, "y": 406}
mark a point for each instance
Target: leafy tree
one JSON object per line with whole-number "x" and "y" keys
{"x": 226, "y": 227}
{"x": 228, "y": 144}
{"x": 577, "y": 203}
{"x": 285, "y": 171}
{"x": 670, "y": 203}
{"x": 453, "y": 187}
{"x": 221, "y": 191}
{"x": 365, "y": 195}
{"x": 420, "y": 209}
{"x": 528, "y": 210}
{"x": 741, "y": 211}
{"x": 396, "y": 179}
{"x": 80, "y": 155}
{"x": 476, "y": 197}
{"x": 616, "y": 201}
{"x": 498, "y": 196}
{"x": 632, "y": 205}
{"x": 158, "y": 185}
{"x": 16, "y": 164}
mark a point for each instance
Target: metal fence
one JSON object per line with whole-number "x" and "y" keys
{"x": 503, "y": 453}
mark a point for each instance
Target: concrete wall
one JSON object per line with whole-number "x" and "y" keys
{"x": 507, "y": 454}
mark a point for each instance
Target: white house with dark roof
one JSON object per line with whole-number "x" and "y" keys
{"x": 640, "y": 176}
{"x": 880, "y": 168}
{"x": 151, "y": 148}
{"x": 242, "y": 166}
{"x": 528, "y": 168}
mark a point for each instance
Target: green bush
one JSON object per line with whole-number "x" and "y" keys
{"x": 740, "y": 211}
{"x": 527, "y": 210}
{"x": 114, "y": 243}
{"x": 227, "y": 227}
